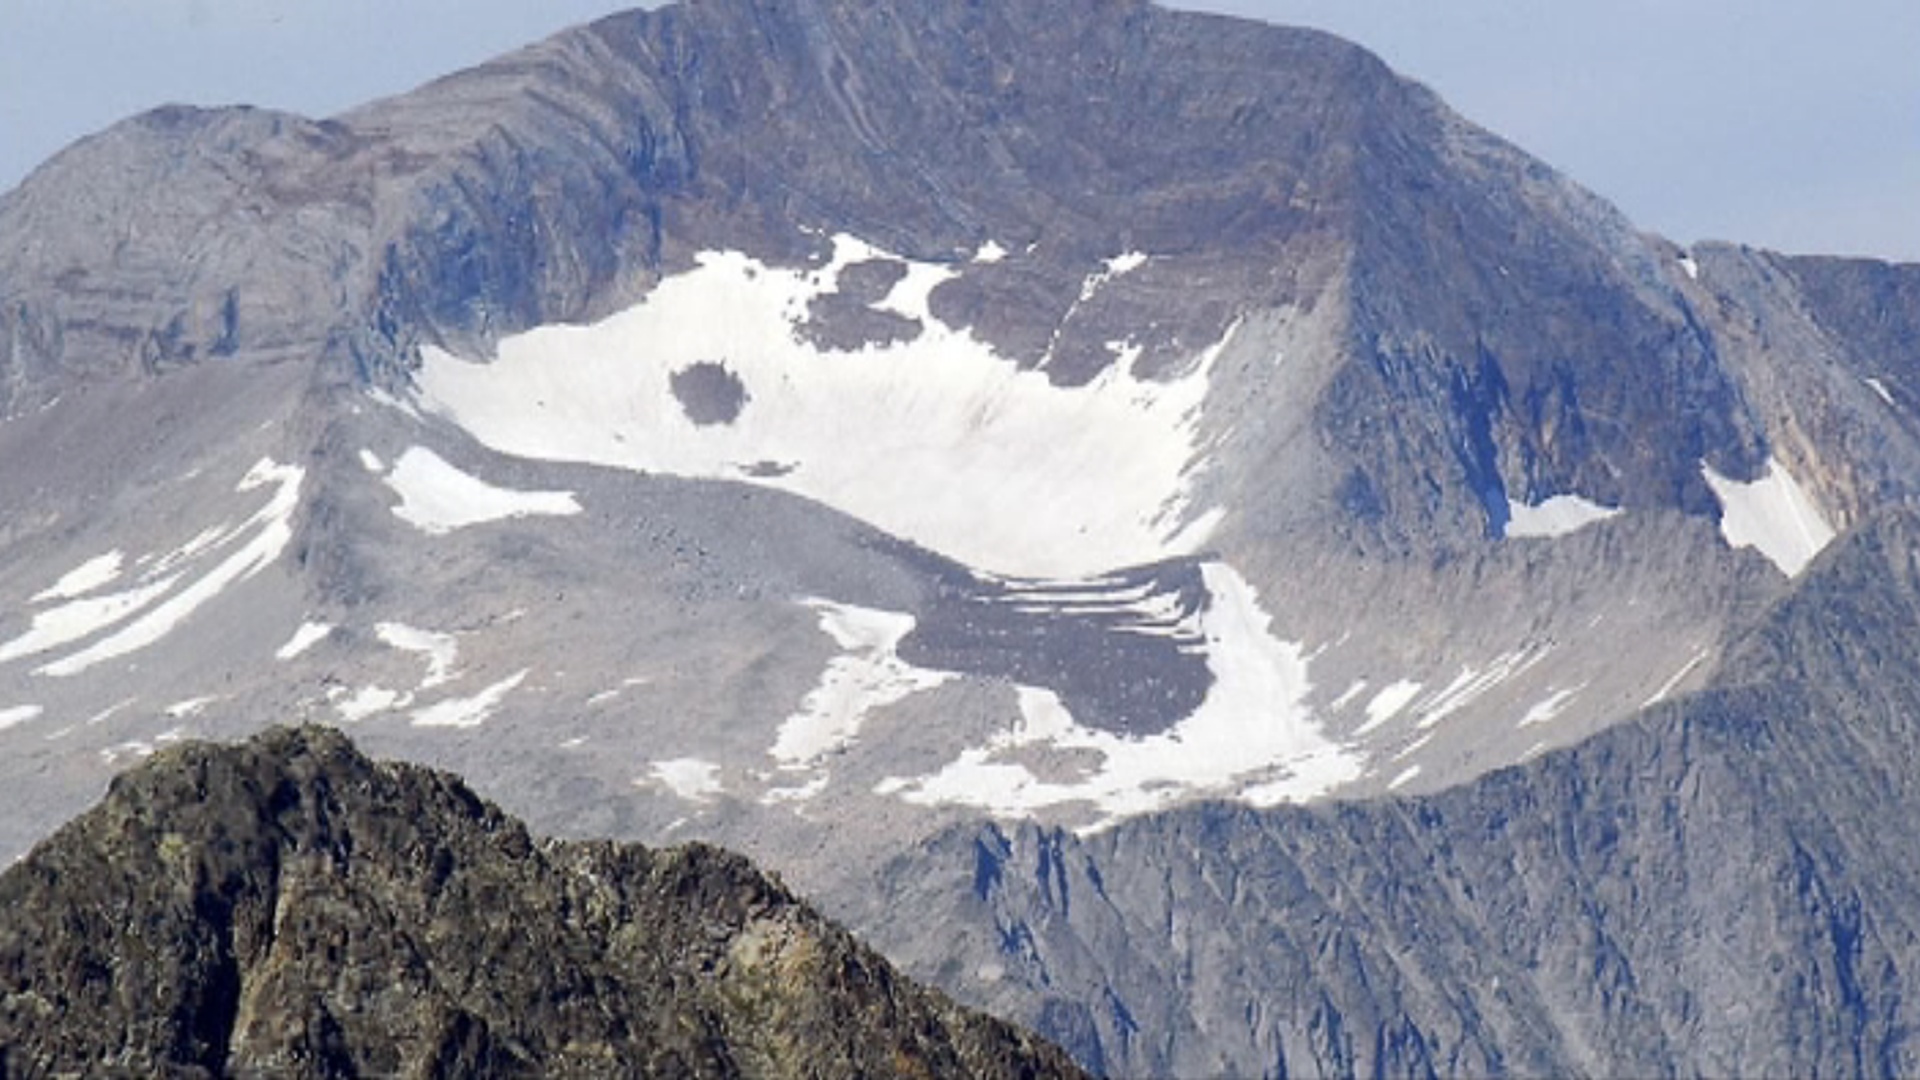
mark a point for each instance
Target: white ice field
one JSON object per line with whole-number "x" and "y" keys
{"x": 936, "y": 440}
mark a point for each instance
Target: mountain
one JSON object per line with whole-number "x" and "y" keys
{"x": 287, "y": 906}
{"x": 851, "y": 432}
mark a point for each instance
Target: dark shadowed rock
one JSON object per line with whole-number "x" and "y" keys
{"x": 709, "y": 393}
{"x": 289, "y": 907}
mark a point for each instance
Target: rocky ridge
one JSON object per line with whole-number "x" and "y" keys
{"x": 288, "y": 907}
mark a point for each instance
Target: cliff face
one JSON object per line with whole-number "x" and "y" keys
{"x": 288, "y": 906}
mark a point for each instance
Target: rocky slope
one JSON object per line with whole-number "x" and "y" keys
{"x": 288, "y": 907}
{"x": 1719, "y": 887}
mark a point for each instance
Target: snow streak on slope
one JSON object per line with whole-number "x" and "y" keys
{"x": 1772, "y": 515}
{"x": 1253, "y": 733}
{"x": 77, "y": 619}
{"x": 468, "y": 712}
{"x": 309, "y": 635}
{"x": 140, "y": 616}
{"x": 437, "y": 498}
{"x": 936, "y": 440}
{"x": 85, "y": 578}
{"x": 1473, "y": 683}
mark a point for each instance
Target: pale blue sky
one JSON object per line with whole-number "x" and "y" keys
{"x": 1783, "y": 124}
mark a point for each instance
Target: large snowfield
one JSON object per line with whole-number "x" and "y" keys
{"x": 936, "y": 440}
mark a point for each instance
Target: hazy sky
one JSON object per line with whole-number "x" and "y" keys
{"x": 1781, "y": 123}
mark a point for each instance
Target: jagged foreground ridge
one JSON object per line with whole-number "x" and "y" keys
{"x": 288, "y": 907}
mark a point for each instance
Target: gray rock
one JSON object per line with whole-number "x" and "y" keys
{"x": 1719, "y": 887}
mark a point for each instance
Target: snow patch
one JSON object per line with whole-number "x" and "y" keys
{"x": 868, "y": 675}
{"x": 1691, "y": 268}
{"x": 957, "y": 449}
{"x": 692, "y": 779}
{"x": 16, "y": 715}
{"x": 1118, "y": 266}
{"x": 440, "y": 650}
{"x": 140, "y": 748}
{"x": 1405, "y": 776}
{"x": 78, "y": 619}
{"x": 272, "y": 527}
{"x": 1545, "y": 710}
{"x": 468, "y": 712}
{"x": 309, "y": 635}
{"x": 369, "y": 701}
{"x": 1252, "y": 732}
{"x": 1773, "y": 515}
{"x": 1879, "y": 387}
{"x": 181, "y": 710}
{"x": 990, "y": 252}
{"x": 1557, "y": 516}
{"x": 809, "y": 790}
{"x": 83, "y": 579}
{"x": 437, "y": 498}
{"x": 382, "y": 398}
{"x": 371, "y": 462}
{"x": 1387, "y": 704}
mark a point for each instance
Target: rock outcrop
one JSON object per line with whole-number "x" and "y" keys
{"x": 288, "y": 907}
